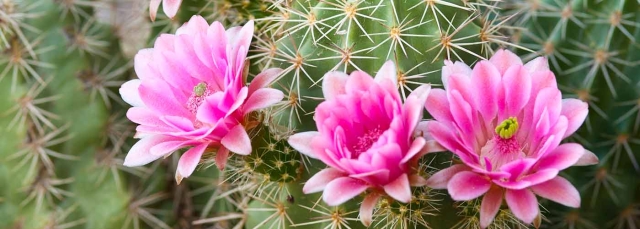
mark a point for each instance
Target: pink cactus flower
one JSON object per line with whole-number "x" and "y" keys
{"x": 170, "y": 7}
{"x": 505, "y": 121}
{"x": 191, "y": 92}
{"x": 367, "y": 137}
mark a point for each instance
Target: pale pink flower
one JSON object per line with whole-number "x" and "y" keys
{"x": 191, "y": 92}
{"x": 170, "y": 7}
{"x": 367, "y": 137}
{"x": 505, "y": 121}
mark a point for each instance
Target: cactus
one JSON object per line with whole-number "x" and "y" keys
{"x": 592, "y": 46}
{"x": 65, "y": 133}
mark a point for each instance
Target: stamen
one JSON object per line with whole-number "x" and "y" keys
{"x": 507, "y": 128}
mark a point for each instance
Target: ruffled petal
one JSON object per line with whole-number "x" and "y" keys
{"x": 399, "y": 189}
{"x": 130, "y": 94}
{"x": 302, "y": 143}
{"x": 576, "y": 112}
{"x": 342, "y": 189}
{"x": 503, "y": 59}
{"x": 367, "y": 207}
{"x": 490, "y": 206}
{"x": 262, "y": 98}
{"x": 334, "y": 84}
{"x": 440, "y": 179}
{"x": 237, "y": 140}
{"x": 523, "y": 204}
{"x": 140, "y": 153}
{"x": 560, "y": 191}
{"x": 320, "y": 180}
{"x": 189, "y": 161}
{"x": 562, "y": 157}
{"x": 467, "y": 186}
{"x": 171, "y": 7}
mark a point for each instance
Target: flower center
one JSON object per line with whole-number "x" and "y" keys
{"x": 507, "y": 128}
{"x": 200, "y": 92}
{"x": 503, "y": 148}
{"x": 365, "y": 141}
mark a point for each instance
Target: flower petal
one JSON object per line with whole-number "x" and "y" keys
{"x": 576, "y": 112}
{"x": 320, "y": 180}
{"x": 487, "y": 81}
{"x": 387, "y": 72}
{"x": 333, "y": 84}
{"x": 221, "y": 157}
{"x": 440, "y": 179}
{"x": 467, "y": 186}
{"x": 342, "y": 189}
{"x": 302, "y": 142}
{"x": 367, "y": 207}
{"x": 264, "y": 79}
{"x": 416, "y": 147}
{"x": 503, "y": 59}
{"x": 559, "y": 190}
{"x": 490, "y": 205}
{"x": 523, "y": 204}
{"x": 140, "y": 153}
{"x": 537, "y": 64}
{"x": 399, "y": 189}
{"x": 517, "y": 90}
{"x": 237, "y": 140}
{"x": 588, "y": 158}
{"x": 262, "y": 98}
{"x": 153, "y": 8}
{"x": 438, "y": 105}
{"x": 189, "y": 161}
{"x": 130, "y": 94}
{"x": 562, "y": 157}
{"x": 171, "y": 7}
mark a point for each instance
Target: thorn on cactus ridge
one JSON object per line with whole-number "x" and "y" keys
{"x": 544, "y": 45}
{"x": 572, "y": 219}
{"x": 139, "y": 209}
{"x": 407, "y": 79}
{"x": 28, "y": 113}
{"x": 87, "y": 39}
{"x": 17, "y": 62}
{"x": 350, "y": 11}
{"x": 279, "y": 219}
{"x": 306, "y": 21}
{"x": 602, "y": 178}
{"x": 44, "y": 188}
{"x": 335, "y": 216}
{"x": 619, "y": 143}
{"x": 616, "y": 20}
{"x": 99, "y": 80}
{"x": 436, "y": 12}
{"x": 12, "y": 15}
{"x": 58, "y": 219}
{"x": 36, "y": 151}
{"x": 447, "y": 41}
{"x": 395, "y": 35}
{"x": 628, "y": 217}
{"x": 634, "y": 109}
{"x": 75, "y": 7}
{"x": 565, "y": 14}
{"x": 602, "y": 60}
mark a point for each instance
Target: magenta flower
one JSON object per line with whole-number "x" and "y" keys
{"x": 192, "y": 93}
{"x": 366, "y": 136}
{"x": 505, "y": 121}
{"x": 170, "y": 7}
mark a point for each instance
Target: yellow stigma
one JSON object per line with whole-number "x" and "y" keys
{"x": 507, "y": 128}
{"x": 200, "y": 89}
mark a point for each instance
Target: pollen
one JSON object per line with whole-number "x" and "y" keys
{"x": 200, "y": 92}
{"x": 507, "y": 128}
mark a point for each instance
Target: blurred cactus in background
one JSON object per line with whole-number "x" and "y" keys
{"x": 65, "y": 134}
